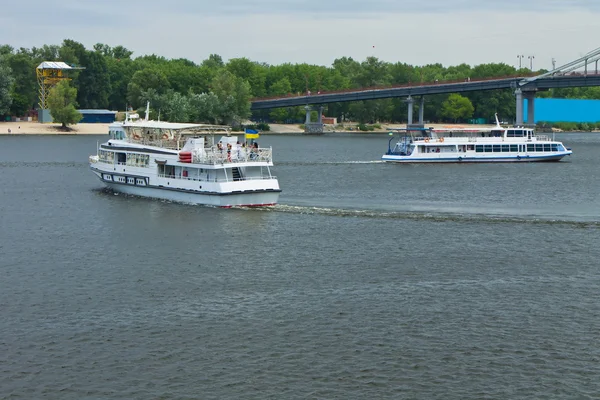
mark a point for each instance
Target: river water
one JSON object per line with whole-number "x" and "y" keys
{"x": 369, "y": 280}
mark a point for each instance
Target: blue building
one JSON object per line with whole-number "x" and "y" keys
{"x": 565, "y": 110}
{"x": 97, "y": 116}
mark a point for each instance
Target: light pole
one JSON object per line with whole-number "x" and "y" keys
{"x": 531, "y": 62}
{"x": 520, "y": 57}
{"x": 553, "y": 64}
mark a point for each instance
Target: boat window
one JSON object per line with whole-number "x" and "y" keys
{"x": 138, "y": 160}
{"x": 554, "y": 147}
{"x": 488, "y": 148}
{"x": 547, "y": 147}
{"x": 497, "y": 148}
{"x": 470, "y": 147}
{"x": 479, "y": 148}
{"x": 121, "y": 158}
{"x": 530, "y": 148}
{"x": 505, "y": 148}
{"x": 106, "y": 156}
{"x": 514, "y": 147}
{"x": 539, "y": 147}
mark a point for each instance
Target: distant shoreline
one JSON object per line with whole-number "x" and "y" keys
{"x": 36, "y": 128}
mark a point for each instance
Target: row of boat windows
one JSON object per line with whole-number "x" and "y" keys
{"x": 505, "y": 148}
{"x": 518, "y": 133}
{"x": 117, "y": 134}
{"x": 106, "y": 156}
{"x": 138, "y": 160}
{"x": 131, "y": 159}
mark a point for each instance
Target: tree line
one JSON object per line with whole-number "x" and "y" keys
{"x": 215, "y": 91}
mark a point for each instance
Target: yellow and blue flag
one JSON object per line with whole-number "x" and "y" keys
{"x": 251, "y": 134}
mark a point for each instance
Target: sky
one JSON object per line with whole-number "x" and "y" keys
{"x": 416, "y": 32}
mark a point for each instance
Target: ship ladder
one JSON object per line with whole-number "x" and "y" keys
{"x": 237, "y": 175}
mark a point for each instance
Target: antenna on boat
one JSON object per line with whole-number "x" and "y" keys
{"x": 147, "y": 111}
{"x": 497, "y": 121}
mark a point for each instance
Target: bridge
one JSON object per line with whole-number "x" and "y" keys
{"x": 525, "y": 87}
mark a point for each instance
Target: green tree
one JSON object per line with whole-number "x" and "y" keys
{"x": 204, "y": 108}
{"x": 94, "y": 81}
{"x": 457, "y": 107}
{"x": 6, "y": 83}
{"x": 373, "y": 73}
{"x": 25, "y": 89}
{"x": 214, "y": 61}
{"x": 234, "y": 97}
{"x": 347, "y": 67}
{"x": 120, "y": 72}
{"x": 252, "y": 72}
{"x": 175, "y": 107}
{"x": 61, "y": 102}
{"x": 151, "y": 77}
{"x": 45, "y": 53}
{"x": 280, "y": 88}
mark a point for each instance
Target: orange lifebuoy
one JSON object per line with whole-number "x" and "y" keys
{"x": 185, "y": 156}
{"x": 165, "y": 136}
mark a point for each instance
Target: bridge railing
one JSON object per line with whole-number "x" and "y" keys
{"x": 398, "y": 86}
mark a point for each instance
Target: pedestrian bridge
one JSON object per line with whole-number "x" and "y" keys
{"x": 423, "y": 89}
{"x": 525, "y": 87}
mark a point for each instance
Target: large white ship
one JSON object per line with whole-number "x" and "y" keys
{"x": 498, "y": 144}
{"x": 189, "y": 163}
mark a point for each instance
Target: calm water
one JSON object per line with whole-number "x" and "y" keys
{"x": 369, "y": 280}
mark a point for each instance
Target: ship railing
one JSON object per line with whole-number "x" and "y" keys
{"x": 217, "y": 156}
{"x": 229, "y": 178}
{"x": 542, "y": 138}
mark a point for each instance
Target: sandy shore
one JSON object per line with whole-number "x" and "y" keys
{"x": 35, "y": 128}
{"x": 294, "y": 128}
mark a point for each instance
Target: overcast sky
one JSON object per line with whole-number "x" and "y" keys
{"x": 416, "y": 32}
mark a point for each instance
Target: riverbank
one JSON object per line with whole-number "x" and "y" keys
{"x": 353, "y": 128}
{"x": 36, "y": 128}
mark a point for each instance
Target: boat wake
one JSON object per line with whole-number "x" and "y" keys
{"x": 304, "y": 163}
{"x": 433, "y": 216}
{"x": 413, "y": 215}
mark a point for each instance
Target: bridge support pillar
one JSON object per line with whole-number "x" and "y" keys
{"x": 313, "y": 127}
{"x": 519, "y": 96}
{"x": 422, "y": 111}
{"x": 410, "y": 102}
{"x": 530, "y": 96}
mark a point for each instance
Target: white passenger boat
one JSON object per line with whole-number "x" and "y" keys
{"x": 498, "y": 144}
{"x": 189, "y": 163}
